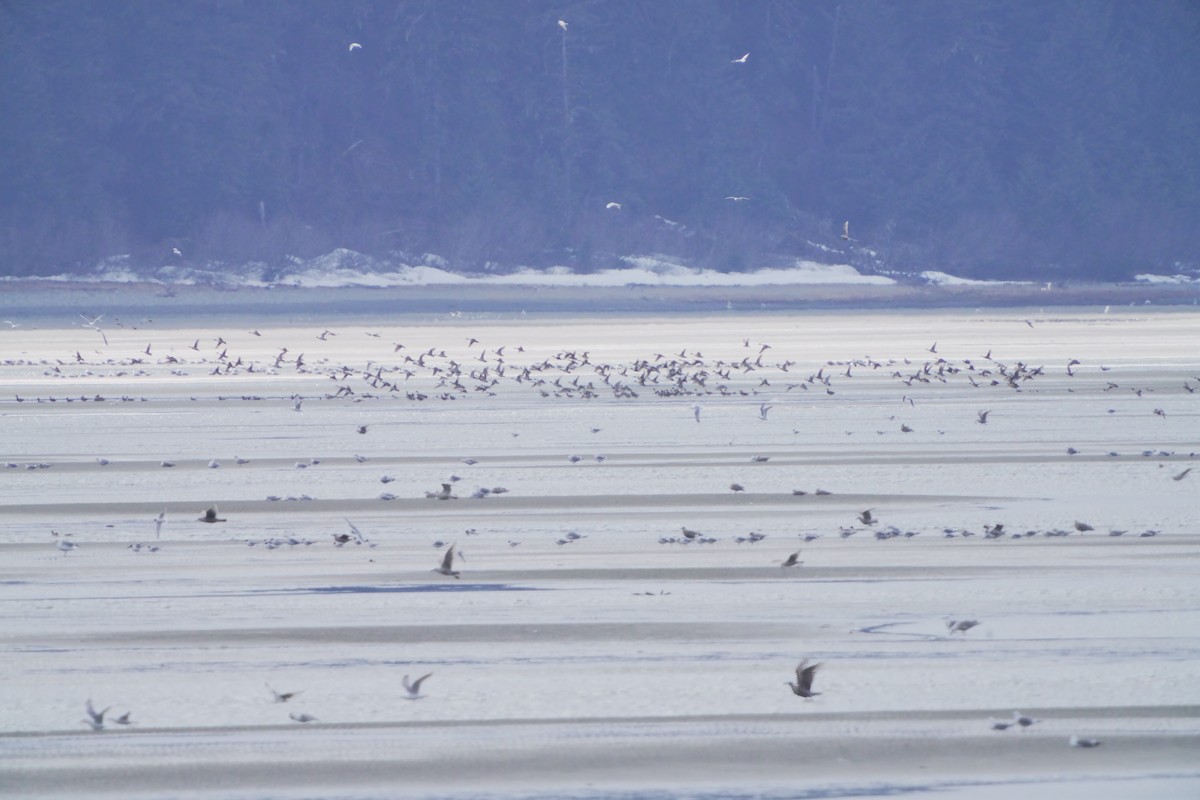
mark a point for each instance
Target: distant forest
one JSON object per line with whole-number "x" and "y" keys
{"x": 1045, "y": 139}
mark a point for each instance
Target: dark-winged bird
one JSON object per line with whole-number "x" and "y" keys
{"x": 804, "y": 678}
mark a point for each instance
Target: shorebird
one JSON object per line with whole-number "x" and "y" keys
{"x": 804, "y": 678}
{"x": 1076, "y": 741}
{"x": 983, "y": 415}
{"x": 66, "y": 546}
{"x": 741, "y": 60}
{"x": 124, "y": 719}
{"x": 1001, "y": 725}
{"x": 447, "y": 565}
{"x": 303, "y": 717}
{"x": 414, "y": 687}
{"x": 362, "y": 429}
{"x": 763, "y": 409}
{"x": 281, "y": 697}
{"x": 792, "y": 560}
{"x": 340, "y": 539}
{"x": 1083, "y": 526}
{"x": 696, "y": 411}
{"x": 444, "y": 494}
{"x": 158, "y": 523}
{"x": 689, "y": 533}
{"x": 960, "y": 625}
{"x": 1022, "y": 720}
{"x": 211, "y": 516}
{"x": 737, "y": 487}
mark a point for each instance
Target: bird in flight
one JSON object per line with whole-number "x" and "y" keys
{"x": 846, "y": 230}
{"x": 741, "y": 60}
{"x": 613, "y": 206}
{"x": 95, "y": 718}
{"x": 414, "y": 687}
{"x": 792, "y": 560}
{"x": 736, "y": 198}
{"x": 960, "y": 625}
{"x": 211, "y": 516}
{"x": 447, "y": 566}
{"x": 562, "y": 24}
{"x": 355, "y": 46}
{"x": 804, "y": 679}
{"x": 281, "y": 697}
{"x": 983, "y": 415}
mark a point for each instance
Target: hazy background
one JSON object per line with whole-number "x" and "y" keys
{"x": 1014, "y": 138}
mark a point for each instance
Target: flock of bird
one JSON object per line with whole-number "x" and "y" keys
{"x": 95, "y": 719}
{"x": 484, "y": 370}
{"x": 480, "y": 369}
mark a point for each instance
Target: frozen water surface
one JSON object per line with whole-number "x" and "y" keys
{"x": 589, "y": 649}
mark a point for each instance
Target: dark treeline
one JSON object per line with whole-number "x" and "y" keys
{"x": 1008, "y": 138}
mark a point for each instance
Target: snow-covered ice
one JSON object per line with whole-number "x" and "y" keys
{"x": 587, "y": 650}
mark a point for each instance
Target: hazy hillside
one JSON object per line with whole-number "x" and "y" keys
{"x": 1007, "y": 138}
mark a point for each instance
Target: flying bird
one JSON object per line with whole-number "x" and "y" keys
{"x": 281, "y": 697}
{"x": 1181, "y": 475}
{"x": 792, "y": 560}
{"x": 414, "y": 687}
{"x": 158, "y": 523}
{"x": 736, "y": 198}
{"x": 613, "y": 206}
{"x": 741, "y": 60}
{"x": 95, "y": 718}
{"x": 960, "y": 625}
{"x": 562, "y": 24}
{"x": 354, "y": 46}
{"x": 447, "y": 565}
{"x": 983, "y": 415}
{"x": 804, "y": 679}
{"x": 211, "y": 516}
{"x": 866, "y": 519}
